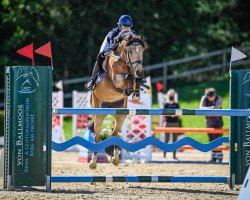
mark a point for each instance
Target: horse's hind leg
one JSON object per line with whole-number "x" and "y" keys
{"x": 119, "y": 119}
{"x": 98, "y": 127}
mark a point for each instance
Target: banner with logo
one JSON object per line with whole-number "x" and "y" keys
{"x": 28, "y": 115}
{"x": 240, "y": 126}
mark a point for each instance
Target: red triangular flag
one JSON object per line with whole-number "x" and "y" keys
{"x": 159, "y": 86}
{"x": 45, "y": 50}
{"x": 27, "y": 51}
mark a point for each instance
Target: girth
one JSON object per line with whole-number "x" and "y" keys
{"x": 111, "y": 83}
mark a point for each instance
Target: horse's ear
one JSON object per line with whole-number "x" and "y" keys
{"x": 142, "y": 37}
{"x": 130, "y": 37}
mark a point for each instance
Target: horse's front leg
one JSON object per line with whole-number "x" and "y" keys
{"x": 136, "y": 95}
{"x": 119, "y": 119}
{"x": 130, "y": 89}
{"x": 98, "y": 123}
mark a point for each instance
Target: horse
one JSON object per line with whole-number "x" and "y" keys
{"x": 124, "y": 66}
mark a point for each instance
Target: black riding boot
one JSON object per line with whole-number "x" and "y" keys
{"x": 90, "y": 85}
{"x": 98, "y": 66}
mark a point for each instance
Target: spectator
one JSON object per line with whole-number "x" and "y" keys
{"x": 171, "y": 121}
{"x": 212, "y": 101}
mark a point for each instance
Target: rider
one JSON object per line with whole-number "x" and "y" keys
{"x": 125, "y": 23}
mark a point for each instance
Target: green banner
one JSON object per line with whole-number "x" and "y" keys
{"x": 28, "y": 120}
{"x": 240, "y": 126}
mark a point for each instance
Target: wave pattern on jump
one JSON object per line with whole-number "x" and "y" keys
{"x": 132, "y": 147}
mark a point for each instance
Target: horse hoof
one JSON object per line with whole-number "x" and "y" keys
{"x": 92, "y": 165}
{"x": 115, "y": 161}
{"x": 135, "y": 98}
{"x": 128, "y": 91}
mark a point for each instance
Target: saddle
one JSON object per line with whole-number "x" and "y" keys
{"x": 104, "y": 75}
{"x": 100, "y": 76}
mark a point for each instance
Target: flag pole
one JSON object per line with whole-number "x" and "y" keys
{"x": 33, "y": 59}
{"x": 230, "y": 68}
{"x": 51, "y": 61}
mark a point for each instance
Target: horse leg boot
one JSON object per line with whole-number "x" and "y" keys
{"x": 119, "y": 119}
{"x": 136, "y": 95}
{"x": 130, "y": 89}
{"x": 98, "y": 123}
{"x": 138, "y": 82}
{"x": 115, "y": 158}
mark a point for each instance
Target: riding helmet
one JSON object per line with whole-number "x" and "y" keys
{"x": 125, "y": 20}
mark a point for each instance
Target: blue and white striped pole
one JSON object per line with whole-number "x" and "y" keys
{"x": 135, "y": 179}
{"x": 126, "y": 111}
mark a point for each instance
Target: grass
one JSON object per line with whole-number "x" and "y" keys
{"x": 189, "y": 97}
{"x": 67, "y": 127}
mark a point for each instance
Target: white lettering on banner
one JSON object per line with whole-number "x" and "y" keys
{"x": 247, "y": 158}
{"x": 247, "y": 125}
{"x": 19, "y": 139}
{"x": 20, "y": 125}
{"x": 19, "y": 157}
{"x": 26, "y": 165}
{"x": 32, "y": 135}
{"x": 246, "y": 143}
{"x": 247, "y": 138}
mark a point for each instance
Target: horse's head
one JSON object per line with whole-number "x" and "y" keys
{"x": 133, "y": 47}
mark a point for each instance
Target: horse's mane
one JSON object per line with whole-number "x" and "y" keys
{"x": 131, "y": 38}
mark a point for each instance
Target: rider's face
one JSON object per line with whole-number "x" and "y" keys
{"x": 211, "y": 98}
{"x": 126, "y": 28}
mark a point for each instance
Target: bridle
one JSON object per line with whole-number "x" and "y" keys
{"x": 127, "y": 57}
